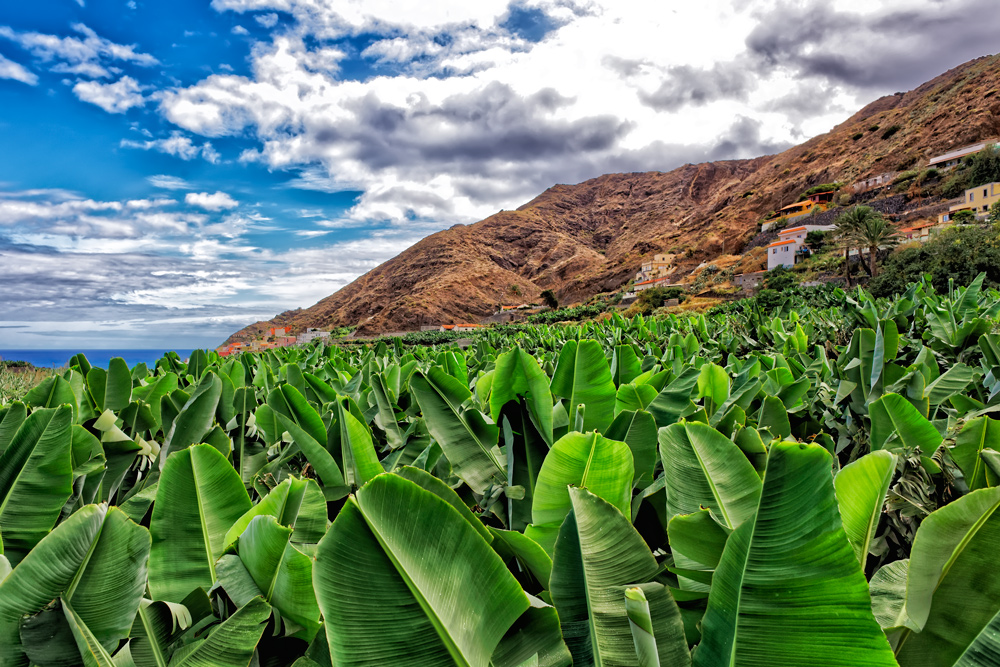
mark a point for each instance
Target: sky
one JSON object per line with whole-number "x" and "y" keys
{"x": 173, "y": 171}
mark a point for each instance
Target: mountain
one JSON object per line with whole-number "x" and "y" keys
{"x": 579, "y": 240}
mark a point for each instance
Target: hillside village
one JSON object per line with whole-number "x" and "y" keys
{"x": 793, "y": 234}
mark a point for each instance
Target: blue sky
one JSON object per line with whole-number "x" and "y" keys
{"x": 173, "y": 171}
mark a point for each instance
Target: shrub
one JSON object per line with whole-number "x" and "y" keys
{"x": 965, "y": 217}
{"x": 822, "y": 187}
{"x": 905, "y": 176}
{"x": 779, "y": 279}
{"x": 550, "y": 299}
{"x": 816, "y": 240}
{"x": 931, "y": 174}
{"x": 857, "y": 136}
{"x": 955, "y": 185}
{"x": 873, "y": 128}
{"x": 889, "y": 131}
{"x": 655, "y": 297}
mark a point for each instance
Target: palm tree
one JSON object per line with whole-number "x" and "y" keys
{"x": 848, "y": 224}
{"x": 864, "y": 227}
{"x": 875, "y": 233}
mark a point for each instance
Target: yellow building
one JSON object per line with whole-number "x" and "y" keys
{"x": 656, "y": 269}
{"x": 978, "y": 200}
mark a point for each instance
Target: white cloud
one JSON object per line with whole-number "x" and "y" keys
{"x": 117, "y": 97}
{"x": 87, "y": 55}
{"x": 478, "y": 106}
{"x": 240, "y": 30}
{"x": 210, "y": 202}
{"x": 169, "y": 182}
{"x": 178, "y": 145}
{"x": 12, "y": 70}
{"x": 267, "y": 20}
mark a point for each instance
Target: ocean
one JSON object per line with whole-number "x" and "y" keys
{"x": 59, "y": 358}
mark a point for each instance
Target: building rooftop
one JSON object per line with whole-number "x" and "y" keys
{"x": 958, "y": 152}
{"x": 777, "y": 243}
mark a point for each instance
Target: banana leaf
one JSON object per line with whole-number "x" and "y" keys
{"x": 789, "y": 586}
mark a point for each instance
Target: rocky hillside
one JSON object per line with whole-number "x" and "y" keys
{"x": 578, "y": 240}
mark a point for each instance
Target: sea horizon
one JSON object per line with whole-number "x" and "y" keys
{"x": 57, "y": 358}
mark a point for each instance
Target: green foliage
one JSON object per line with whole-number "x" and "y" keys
{"x": 803, "y": 477}
{"x": 956, "y": 253}
{"x": 573, "y": 314}
{"x": 822, "y": 187}
{"x": 963, "y": 217}
{"x": 857, "y": 135}
{"x": 549, "y": 297}
{"x": 779, "y": 279}
{"x": 816, "y": 239}
{"x": 656, "y": 297}
{"x": 889, "y": 131}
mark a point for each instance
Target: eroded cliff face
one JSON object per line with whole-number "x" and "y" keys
{"x": 578, "y": 240}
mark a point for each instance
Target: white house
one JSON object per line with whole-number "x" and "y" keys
{"x": 787, "y": 250}
{"x": 311, "y": 334}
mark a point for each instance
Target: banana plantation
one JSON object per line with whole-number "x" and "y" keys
{"x": 796, "y": 486}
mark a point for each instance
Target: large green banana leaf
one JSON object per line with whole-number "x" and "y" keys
{"x": 36, "y": 479}
{"x": 195, "y": 419}
{"x": 469, "y": 442}
{"x": 232, "y": 643}
{"x": 402, "y": 578}
{"x": 387, "y": 412}
{"x": 789, "y": 589}
{"x": 535, "y": 640}
{"x": 296, "y": 503}
{"x": 158, "y": 625}
{"x": 282, "y": 573}
{"x": 861, "y": 487}
{"x": 977, "y": 434}
{"x": 518, "y": 374}
{"x": 582, "y": 376}
{"x": 110, "y": 389}
{"x": 361, "y": 462}
{"x": 894, "y": 415}
{"x": 587, "y": 460}
{"x": 704, "y": 468}
{"x": 11, "y": 418}
{"x": 952, "y": 592}
{"x": 638, "y": 431}
{"x": 199, "y": 498}
{"x": 597, "y": 557}
{"x": 91, "y": 651}
{"x": 96, "y": 560}
{"x": 51, "y": 393}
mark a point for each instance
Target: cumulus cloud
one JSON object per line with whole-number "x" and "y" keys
{"x": 211, "y": 202}
{"x": 267, "y": 20}
{"x": 685, "y": 86}
{"x": 117, "y": 97}
{"x": 12, "y": 70}
{"x": 86, "y": 55}
{"x": 178, "y": 145}
{"x": 871, "y": 45}
{"x": 239, "y": 30}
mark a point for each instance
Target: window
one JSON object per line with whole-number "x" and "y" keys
{"x": 774, "y": 251}
{"x": 984, "y": 194}
{"x": 972, "y": 196}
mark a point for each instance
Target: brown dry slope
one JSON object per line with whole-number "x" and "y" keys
{"x": 579, "y": 240}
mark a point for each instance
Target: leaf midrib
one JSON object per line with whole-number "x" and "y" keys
{"x": 429, "y": 612}
{"x": 201, "y": 515}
